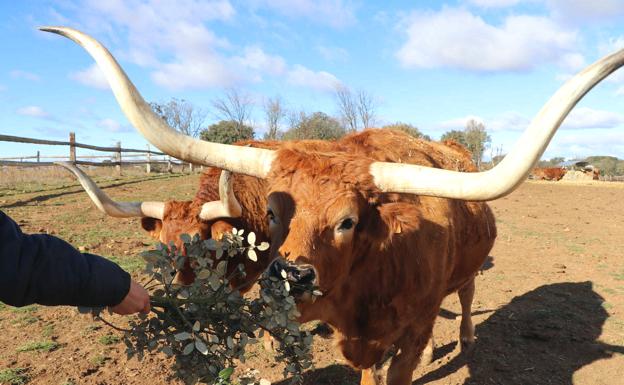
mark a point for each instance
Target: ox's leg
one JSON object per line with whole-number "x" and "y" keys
{"x": 466, "y": 329}
{"x": 373, "y": 376}
{"x": 406, "y": 360}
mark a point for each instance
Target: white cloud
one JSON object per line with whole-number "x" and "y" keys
{"x": 174, "y": 40}
{"x": 588, "y": 118}
{"x": 112, "y": 125}
{"x": 335, "y": 13}
{"x": 508, "y": 121}
{"x": 619, "y": 91}
{"x": 19, "y": 74}
{"x": 318, "y": 80}
{"x": 585, "y": 11}
{"x": 455, "y": 38}
{"x": 458, "y": 123}
{"x": 92, "y": 77}
{"x": 255, "y": 59}
{"x": 581, "y": 144}
{"x": 33, "y": 111}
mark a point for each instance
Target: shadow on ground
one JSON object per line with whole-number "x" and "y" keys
{"x": 541, "y": 337}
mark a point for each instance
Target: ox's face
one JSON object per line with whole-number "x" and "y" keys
{"x": 319, "y": 222}
{"x": 181, "y": 218}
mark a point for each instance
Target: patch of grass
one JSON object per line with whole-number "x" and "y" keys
{"x": 109, "y": 339}
{"x": 607, "y": 306}
{"x": 24, "y": 320}
{"x": 15, "y": 376}
{"x": 98, "y": 360}
{"x": 576, "y": 249}
{"x": 130, "y": 264}
{"x": 91, "y": 328}
{"x": 47, "y": 330}
{"x": 25, "y": 309}
{"x": 38, "y": 346}
{"x": 2, "y": 306}
{"x": 618, "y": 276}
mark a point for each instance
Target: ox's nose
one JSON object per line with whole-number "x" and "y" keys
{"x": 299, "y": 274}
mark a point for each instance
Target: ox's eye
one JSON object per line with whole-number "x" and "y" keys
{"x": 271, "y": 216}
{"x": 346, "y": 224}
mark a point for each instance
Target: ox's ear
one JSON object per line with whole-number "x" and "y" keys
{"x": 218, "y": 228}
{"x": 152, "y": 225}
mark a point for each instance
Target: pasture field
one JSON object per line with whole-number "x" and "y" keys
{"x": 548, "y": 309}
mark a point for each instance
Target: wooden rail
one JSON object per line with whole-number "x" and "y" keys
{"x": 116, "y": 158}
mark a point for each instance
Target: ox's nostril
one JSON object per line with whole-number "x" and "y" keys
{"x": 307, "y": 275}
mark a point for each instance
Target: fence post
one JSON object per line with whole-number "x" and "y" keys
{"x": 72, "y": 147}
{"x": 191, "y": 168}
{"x": 118, "y": 158}
{"x": 169, "y": 166}
{"x": 38, "y": 156}
{"x": 148, "y": 167}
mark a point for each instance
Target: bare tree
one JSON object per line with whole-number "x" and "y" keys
{"x": 477, "y": 139}
{"x": 366, "y": 106}
{"x": 234, "y": 106}
{"x": 181, "y": 115}
{"x": 274, "y": 112}
{"x": 347, "y": 108}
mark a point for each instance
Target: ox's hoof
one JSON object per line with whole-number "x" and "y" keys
{"x": 467, "y": 344}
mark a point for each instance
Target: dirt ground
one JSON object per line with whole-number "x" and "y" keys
{"x": 548, "y": 309}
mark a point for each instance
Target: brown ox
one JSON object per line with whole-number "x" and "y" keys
{"x": 548, "y": 173}
{"x": 385, "y": 240}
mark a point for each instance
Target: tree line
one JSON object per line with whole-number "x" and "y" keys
{"x": 356, "y": 110}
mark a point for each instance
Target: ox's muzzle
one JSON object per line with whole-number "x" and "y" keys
{"x": 302, "y": 278}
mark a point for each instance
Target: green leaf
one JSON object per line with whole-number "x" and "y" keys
{"x": 201, "y": 347}
{"x": 188, "y": 349}
{"x": 196, "y": 326}
{"x": 230, "y": 342}
{"x": 151, "y": 256}
{"x": 221, "y": 268}
{"x": 226, "y": 373}
{"x": 203, "y": 274}
{"x": 182, "y": 336}
{"x": 185, "y": 238}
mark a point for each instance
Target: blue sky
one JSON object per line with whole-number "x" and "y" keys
{"x": 429, "y": 63}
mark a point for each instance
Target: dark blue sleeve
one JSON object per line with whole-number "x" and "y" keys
{"x": 44, "y": 269}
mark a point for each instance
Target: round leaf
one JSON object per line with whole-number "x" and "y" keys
{"x": 251, "y": 253}
{"x": 263, "y": 246}
{"x": 201, "y": 347}
{"x": 251, "y": 238}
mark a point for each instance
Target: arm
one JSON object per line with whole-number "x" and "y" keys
{"x": 47, "y": 270}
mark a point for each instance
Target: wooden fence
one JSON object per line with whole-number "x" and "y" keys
{"x": 115, "y": 160}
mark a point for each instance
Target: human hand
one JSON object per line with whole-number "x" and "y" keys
{"x": 137, "y": 300}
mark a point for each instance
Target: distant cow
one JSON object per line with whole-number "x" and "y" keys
{"x": 386, "y": 238}
{"x": 548, "y": 173}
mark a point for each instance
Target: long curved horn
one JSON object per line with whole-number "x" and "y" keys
{"x": 227, "y": 206}
{"x": 109, "y": 206}
{"x": 246, "y": 160}
{"x": 515, "y": 167}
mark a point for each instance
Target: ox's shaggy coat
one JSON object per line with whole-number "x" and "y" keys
{"x": 384, "y": 280}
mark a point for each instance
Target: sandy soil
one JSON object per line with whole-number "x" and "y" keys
{"x": 549, "y": 305}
